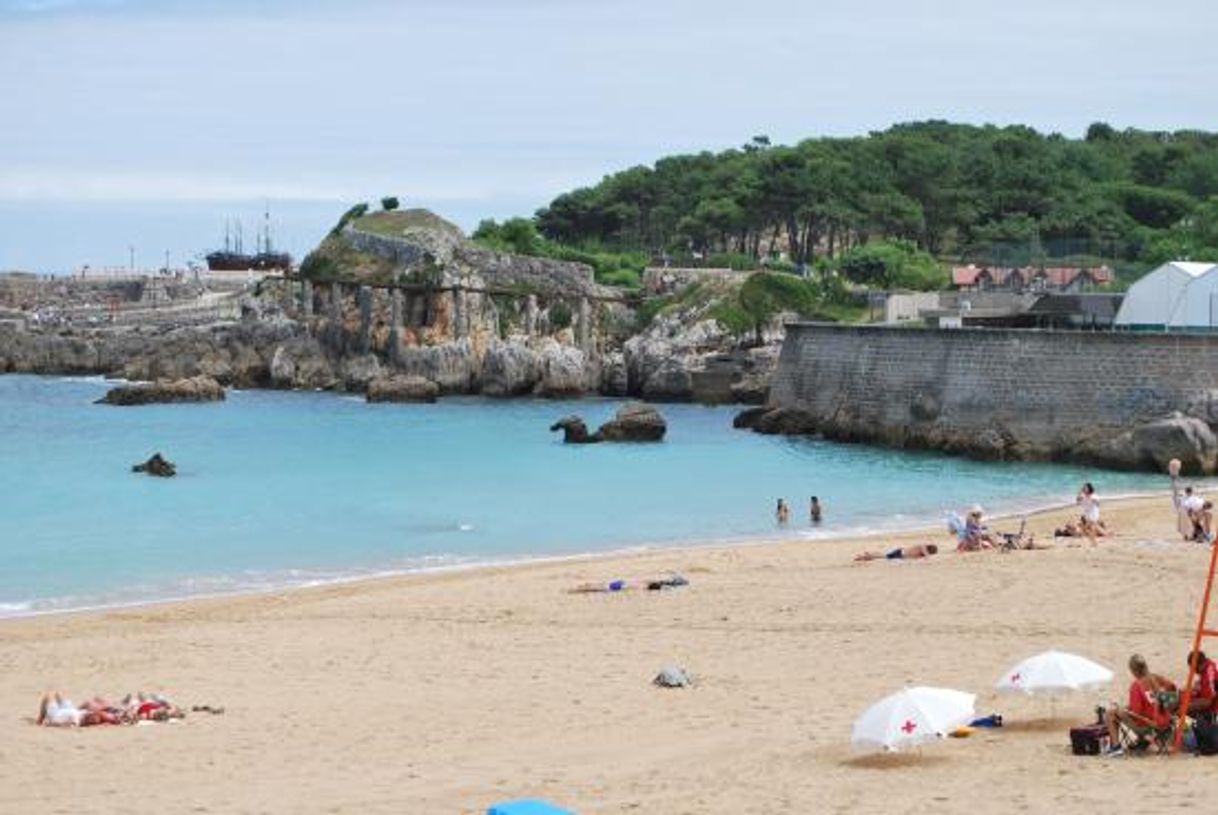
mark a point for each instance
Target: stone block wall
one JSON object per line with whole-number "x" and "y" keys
{"x": 1039, "y": 394}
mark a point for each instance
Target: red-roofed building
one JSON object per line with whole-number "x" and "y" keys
{"x": 1030, "y": 278}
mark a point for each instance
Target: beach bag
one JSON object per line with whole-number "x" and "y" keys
{"x": 1088, "y": 740}
{"x": 1206, "y": 735}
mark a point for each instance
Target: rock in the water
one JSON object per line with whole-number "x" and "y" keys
{"x": 634, "y": 421}
{"x": 402, "y": 389}
{"x": 194, "y": 389}
{"x": 776, "y": 421}
{"x": 574, "y": 430}
{"x": 158, "y": 466}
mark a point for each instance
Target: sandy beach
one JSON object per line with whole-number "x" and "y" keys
{"x": 445, "y": 693}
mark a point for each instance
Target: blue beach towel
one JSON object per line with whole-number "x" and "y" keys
{"x": 526, "y": 807}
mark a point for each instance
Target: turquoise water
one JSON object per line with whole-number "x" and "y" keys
{"x": 280, "y": 489}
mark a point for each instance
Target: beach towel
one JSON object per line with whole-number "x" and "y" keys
{"x": 526, "y": 807}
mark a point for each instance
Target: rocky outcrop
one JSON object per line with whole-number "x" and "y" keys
{"x": 564, "y": 371}
{"x": 634, "y": 421}
{"x": 402, "y": 389}
{"x": 776, "y": 421}
{"x": 157, "y": 466}
{"x": 574, "y": 430}
{"x": 1152, "y": 445}
{"x": 194, "y": 389}
{"x": 509, "y": 369}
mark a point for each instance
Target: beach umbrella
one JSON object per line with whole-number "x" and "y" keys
{"x": 1053, "y": 673}
{"x": 912, "y": 716}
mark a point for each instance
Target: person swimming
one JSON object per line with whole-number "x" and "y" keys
{"x": 782, "y": 512}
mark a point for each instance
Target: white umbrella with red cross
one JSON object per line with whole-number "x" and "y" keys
{"x": 911, "y": 717}
{"x": 1053, "y": 673}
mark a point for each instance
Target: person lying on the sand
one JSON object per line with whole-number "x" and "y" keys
{"x": 914, "y": 552}
{"x": 650, "y": 584}
{"x": 1082, "y": 529}
{"x": 151, "y": 707}
{"x": 56, "y": 711}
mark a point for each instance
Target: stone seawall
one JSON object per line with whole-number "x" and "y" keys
{"x": 1100, "y": 397}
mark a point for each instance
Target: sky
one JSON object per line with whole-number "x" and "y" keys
{"x": 136, "y": 127}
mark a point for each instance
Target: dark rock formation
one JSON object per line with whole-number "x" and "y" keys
{"x": 574, "y": 430}
{"x": 402, "y": 389}
{"x": 777, "y": 421}
{"x": 194, "y": 389}
{"x": 634, "y": 421}
{"x": 157, "y": 466}
{"x": 1152, "y": 445}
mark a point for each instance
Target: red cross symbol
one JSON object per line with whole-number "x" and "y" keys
{"x": 1016, "y": 677}
{"x": 909, "y": 726}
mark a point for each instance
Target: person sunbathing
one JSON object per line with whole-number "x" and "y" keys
{"x": 151, "y": 707}
{"x": 650, "y": 584}
{"x": 1146, "y": 711}
{"x": 915, "y": 552}
{"x": 56, "y": 711}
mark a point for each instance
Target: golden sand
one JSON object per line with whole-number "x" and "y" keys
{"x": 445, "y": 693}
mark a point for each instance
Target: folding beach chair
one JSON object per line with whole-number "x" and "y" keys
{"x": 1139, "y": 738}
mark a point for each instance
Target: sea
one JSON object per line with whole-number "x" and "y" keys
{"x": 279, "y": 489}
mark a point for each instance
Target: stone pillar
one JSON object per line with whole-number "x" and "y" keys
{"x": 585, "y": 325}
{"x": 395, "y": 324}
{"x": 306, "y": 298}
{"x": 365, "y": 319}
{"x": 530, "y": 315}
{"x": 459, "y": 323}
{"x": 336, "y": 302}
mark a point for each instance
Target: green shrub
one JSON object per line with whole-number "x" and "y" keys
{"x": 389, "y": 203}
{"x": 621, "y": 278}
{"x": 893, "y": 265}
{"x": 732, "y": 260}
{"x": 560, "y": 316}
{"x": 357, "y": 211}
{"x": 318, "y": 267}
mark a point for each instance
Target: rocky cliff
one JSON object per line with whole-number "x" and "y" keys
{"x": 406, "y": 294}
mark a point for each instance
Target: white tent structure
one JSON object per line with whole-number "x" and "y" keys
{"x": 1198, "y": 308}
{"x": 1166, "y": 298}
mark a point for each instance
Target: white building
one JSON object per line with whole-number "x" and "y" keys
{"x": 1177, "y": 295}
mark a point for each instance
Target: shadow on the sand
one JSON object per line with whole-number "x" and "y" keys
{"x": 1045, "y": 725}
{"x": 893, "y": 761}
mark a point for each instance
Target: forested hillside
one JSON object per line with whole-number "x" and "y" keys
{"x": 1002, "y": 195}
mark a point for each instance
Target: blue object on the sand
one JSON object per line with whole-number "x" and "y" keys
{"x": 993, "y": 720}
{"x": 526, "y": 807}
{"x": 617, "y": 585}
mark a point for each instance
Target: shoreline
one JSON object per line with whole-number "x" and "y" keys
{"x": 445, "y": 692}
{"x": 801, "y": 535}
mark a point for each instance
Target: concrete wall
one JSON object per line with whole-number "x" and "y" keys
{"x": 1034, "y": 394}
